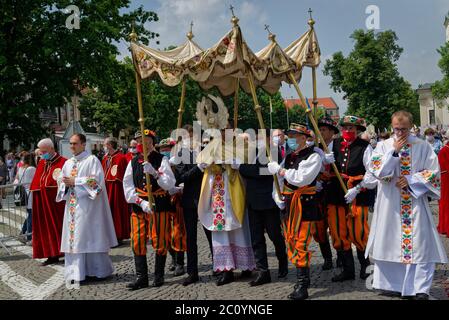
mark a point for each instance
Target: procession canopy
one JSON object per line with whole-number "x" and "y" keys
{"x": 225, "y": 62}
{"x": 170, "y": 65}
{"x": 305, "y": 51}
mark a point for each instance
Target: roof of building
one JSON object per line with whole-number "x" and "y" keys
{"x": 325, "y": 102}
{"x": 425, "y": 86}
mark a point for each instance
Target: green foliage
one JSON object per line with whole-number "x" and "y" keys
{"x": 440, "y": 89}
{"x": 370, "y": 80}
{"x": 40, "y": 57}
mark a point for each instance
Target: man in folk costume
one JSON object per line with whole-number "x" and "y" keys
{"x": 348, "y": 215}
{"x": 176, "y": 231}
{"x": 47, "y": 213}
{"x": 328, "y": 129}
{"x": 298, "y": 175}
{"x": 114, "y": 165}
{"x": 146, "y": 223}
{"x": 443, "y": 213}
{"x": 221, "y": 206}
{"x": 189, "y": 174}
{"x": 404, "y": 242}
{"x": 263, "y": 212}
{"x": 88, "y": 230}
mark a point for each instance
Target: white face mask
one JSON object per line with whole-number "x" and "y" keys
{"x": 310, "y": 143}
{"x": 276, "y": 141}
{"x": 106, "y": 151}
{"x": 430, "y": 138}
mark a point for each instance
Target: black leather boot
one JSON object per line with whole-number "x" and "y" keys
{"x": 364, "y": 263}
{"x": 339, "y": 258}
{"x": 159, "y": 270}
{"x": 326, "y": 252}
{"x": 262, "y": 278}
{"x": 192, "y": 278}
{"x": 172, "y": 265}
{"x": 225, "y": 278}
{"x": 302, "y": 284}
{"x": 283, "y": 268}
{"x": 141, "y": 274}
{"x": 348, "y": 272}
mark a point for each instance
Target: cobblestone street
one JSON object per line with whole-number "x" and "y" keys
{"x": 24, "y": 278}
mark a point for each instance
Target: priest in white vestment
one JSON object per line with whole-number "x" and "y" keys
{"x": 88, "y": 231}
{"x": 403, "y": 241}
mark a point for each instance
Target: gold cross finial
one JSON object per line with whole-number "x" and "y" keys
{"x": 311, "y": 22}
{"x": 190, "y": 34}
{"x": 133, "y": 34}
{"x": 271, "y": 36}
{"x": 232, "y": 10}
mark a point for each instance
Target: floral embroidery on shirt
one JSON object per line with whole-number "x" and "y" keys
{"x": 431, "y": 178}
{"x": 376, "y": 162}
{"x": 72, "y": 207}
{"x": 92, "y": 183}
{"x": 406, "y": 209}
{"x": 218, "y": 204}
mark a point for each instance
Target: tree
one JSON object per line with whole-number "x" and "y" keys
{"x": 370, "y": 79}
{"x": 440, "y": 89}
{"x": 40, "y": 57}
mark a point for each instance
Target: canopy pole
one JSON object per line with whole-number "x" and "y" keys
{"x": 315, "y": 127}
{"x": 133, "y": 37}
{"x": 315, "y": 99}
{"x": 181, "y": 103}
{"x": 258, "y": 110}
{"x": 236, "y": 102}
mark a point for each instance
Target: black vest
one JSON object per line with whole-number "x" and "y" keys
{"x": 162, "y": 202}
{"x": 349, "y": 162}
{"x": 309, "y": 203}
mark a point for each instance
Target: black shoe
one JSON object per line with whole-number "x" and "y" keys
{"x": 141, "y": 274}
{"x": 226, "y": 277}
{"x": 246, "y": 274}
{"x": 49, "y": 261}
{"x": 348, "y": 272}
{"x": 192, "y": 278}
{"x": 262, "y": 278}
{"x": 159, "y": 270}
{"x": 179, "y": 270}
{"x": 300, "y": 289}
{"x": 172, "y": 265}
{"x": 339, "y": 259}
{"x": 421, "y": 296}
{"x": 326, "y": 252}
{"x": 217, "y": 273}
{"x": 364, "y": 263}
{"x": 393, "y": 294}
{"x": 283, "y": 269}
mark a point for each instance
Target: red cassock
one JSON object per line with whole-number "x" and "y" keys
{"x": 48, "y": 214}
{"x": 129, "y": 156}
{"x": 114, "y": 168}
{"x": 443, "y": 223}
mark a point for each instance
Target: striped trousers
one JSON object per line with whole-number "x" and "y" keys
{"x": 298, "y": 244}
{"x": 346, "y": 230}
{"x": 165, "y": 231}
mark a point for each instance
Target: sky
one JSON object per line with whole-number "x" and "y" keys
{"x": 417, "y": 23}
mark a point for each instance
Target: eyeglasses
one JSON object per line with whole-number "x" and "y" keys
{"x": 402, "y": 130}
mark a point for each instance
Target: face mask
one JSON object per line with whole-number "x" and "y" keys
{"x": 132, "y": 150}
{"x": 292, "y": 144}
{"x": 349, "y": 136}
{"x": 430, "y": 138}
{"x": 166, "y": 153}
{"x": 46, "y": 156}
{"x": 310, "y": 143}
{"x": 105, "y": 150}
{"x": 276, "y": 141}
{"x": 139, "y": 148}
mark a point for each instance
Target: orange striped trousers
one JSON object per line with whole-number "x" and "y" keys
{"x": 346, "y": 230}
{"x": 165, "y": 230}
{"x": 298, "y": 245}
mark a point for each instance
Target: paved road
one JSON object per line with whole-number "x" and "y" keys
{"x": 24, "y": 278}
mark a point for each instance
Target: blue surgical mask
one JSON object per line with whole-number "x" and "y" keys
{"x": 292, "y": 144}
{"x": 46, "y": 156}
{"x": 166, "y": 154}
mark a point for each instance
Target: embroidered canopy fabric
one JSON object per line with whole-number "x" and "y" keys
{"x": 305, "y": 51}
{"x": 170, "y": 65}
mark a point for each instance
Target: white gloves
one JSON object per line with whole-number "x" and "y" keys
{"x": 274, "y": 167}
{"x": 174, "y": 190}
{"x": 202, "y": 166}
{"x": 329, "y": 158}
{"x": 173, "y": 161}
{"x": 145, "y": 205}
{"x": 319, "y": 186}
{"x": 351, "y": 194}
{"x": 148, "y": 168}
{"x": 235, "y": 164}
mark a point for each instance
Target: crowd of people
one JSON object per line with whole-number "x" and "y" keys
{"x": 283, "y": 184}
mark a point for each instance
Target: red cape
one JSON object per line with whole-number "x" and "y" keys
{"x": 443, "y": 223}
{"x": 48, "y": 214}
{"x": 114, "y": 172}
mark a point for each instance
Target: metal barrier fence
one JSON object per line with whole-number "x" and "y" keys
{"x": 12, "y": 216}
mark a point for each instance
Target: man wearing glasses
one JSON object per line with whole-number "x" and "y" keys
{"x": 403, "y": 242}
